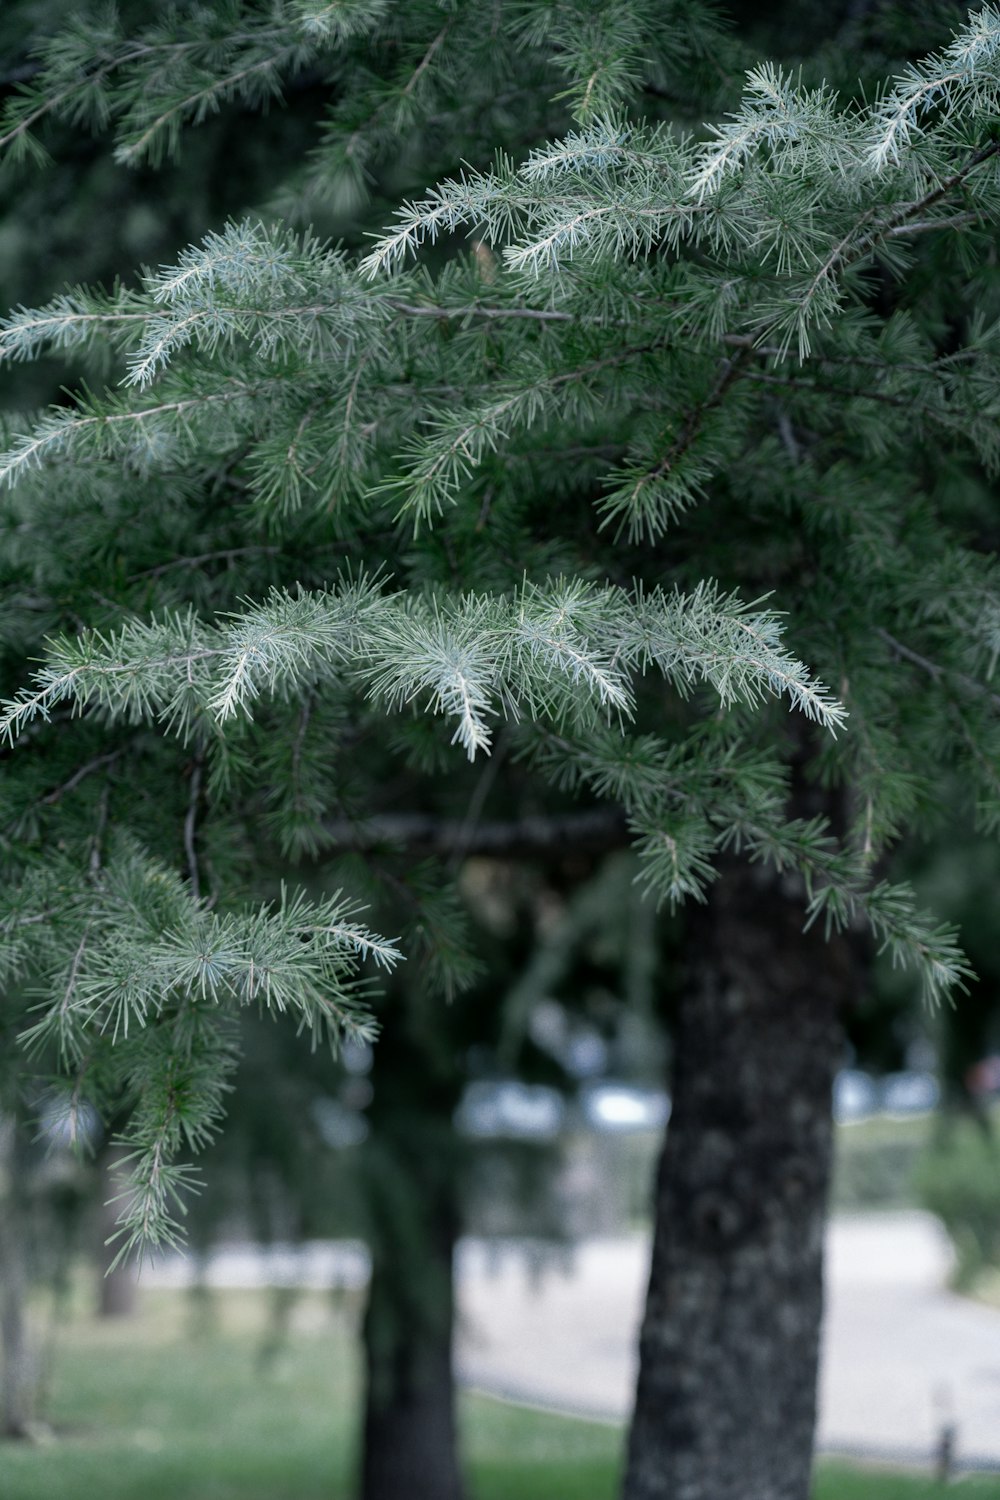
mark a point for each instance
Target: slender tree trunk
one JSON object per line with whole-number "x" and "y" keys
{"x": 18, "y": 1366}
{"x": 116, "y": 1287}
{"x": 409, "y": 1440}
{"x": 725, "y": 1405}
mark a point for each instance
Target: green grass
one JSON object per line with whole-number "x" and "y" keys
{"x": 167, "y": 1407}
{"x": 837, "y": 1481}
{"x": 153, "y": 1410}
{"x": 517, "y": 1454}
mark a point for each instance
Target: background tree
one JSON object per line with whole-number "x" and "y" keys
{"x": 700, "y": 346}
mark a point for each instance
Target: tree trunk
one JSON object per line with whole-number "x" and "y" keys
{"x": 725, "y": 1405}
{"x": 18, "y": 1366}
{"x": 117, "y": 1287}
{"x": 409, "y": 1440}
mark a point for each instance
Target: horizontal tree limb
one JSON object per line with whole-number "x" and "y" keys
{"x": 594, "y": 831}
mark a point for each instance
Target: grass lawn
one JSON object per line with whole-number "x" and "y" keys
{"x": 173, "y": 1406}
{"x": 841, "y": 1482}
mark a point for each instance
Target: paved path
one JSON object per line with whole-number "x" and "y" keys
{"x": 901, "y": 1358}
{"x": 901, "y": 1355}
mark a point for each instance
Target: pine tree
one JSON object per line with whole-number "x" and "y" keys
{"x": 358, "y": 548}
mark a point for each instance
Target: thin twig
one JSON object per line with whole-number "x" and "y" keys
{"x": 97, "y": 838}
{"x": 730, "y": 370}
{"x": 480, "y": 310}
{"x": 772, "y": 351}
{"x": 925, "y": 226}
{"x": 790, "y": 383}
{"x": 477, "y": 801}
{"x": 74, "y": 972}
{"x": 422, "y": 65}
{"x": 935, "y": 670}
{"x": 976, "y": 159}
{"x": 787, "y": 433}
{"x": 226, "y": 555}
{"x": 190, "y": 825}
{"x": 484, "y": 509}
{"x": 80, "y": 774}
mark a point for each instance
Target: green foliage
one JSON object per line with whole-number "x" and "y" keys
{"x": 127, "y": 949}
{"x": 552, "y": 652}
{"x": 184, "y": 67}
{"x": 331, "y": 546}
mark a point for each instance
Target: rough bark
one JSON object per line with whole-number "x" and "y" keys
{"x": 18, "y": 1362}
{"x": 409, "y": 1439}
{"x": 725, "y": 1404}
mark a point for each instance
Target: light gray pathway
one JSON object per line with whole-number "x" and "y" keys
{"x": 901, "y": 1355}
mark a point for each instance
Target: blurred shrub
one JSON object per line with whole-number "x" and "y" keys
{"x": 959, "y": 1180}
{"x": 875, "y": 1162}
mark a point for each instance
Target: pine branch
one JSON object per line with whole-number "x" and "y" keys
{"x": 552, "y": 653}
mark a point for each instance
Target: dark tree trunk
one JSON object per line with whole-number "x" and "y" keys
{"x": 410, "y": 1443}
{"x": 725, "y": 1405}
{"x": 18, "y": 1360}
